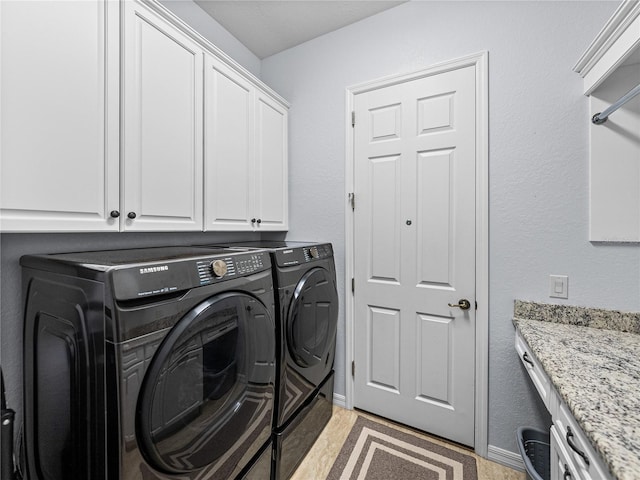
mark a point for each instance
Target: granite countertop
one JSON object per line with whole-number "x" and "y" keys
{"x": 595, "y": 370}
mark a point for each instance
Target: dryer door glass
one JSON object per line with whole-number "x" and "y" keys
{"x": 206, "y": 400}
{"x": 313, "y": 317}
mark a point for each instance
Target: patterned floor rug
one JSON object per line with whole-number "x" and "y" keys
{"x": 374, "y": 451}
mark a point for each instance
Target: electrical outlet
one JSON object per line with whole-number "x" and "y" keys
{"x": 558, "y": 286}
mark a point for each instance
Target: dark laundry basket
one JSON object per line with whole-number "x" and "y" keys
{"x": 534, "y": 446}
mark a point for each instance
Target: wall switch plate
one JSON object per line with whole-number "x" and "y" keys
{"x": 558, "y": 286}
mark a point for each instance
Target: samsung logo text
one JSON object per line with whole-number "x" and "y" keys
{"x": 161, "y": 268}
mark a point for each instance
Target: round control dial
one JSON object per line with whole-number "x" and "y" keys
{"x": 313, "y": 252}
{"x": 219, "y": 268}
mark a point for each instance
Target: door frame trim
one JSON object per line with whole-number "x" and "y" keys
{"x": 481, "y": 63}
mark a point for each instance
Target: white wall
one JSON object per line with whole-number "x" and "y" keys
{"x": 538, "y": 157}
{"x": 194, "y": 16}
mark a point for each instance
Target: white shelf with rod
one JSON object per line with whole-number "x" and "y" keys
{"x": 610, "y": 69}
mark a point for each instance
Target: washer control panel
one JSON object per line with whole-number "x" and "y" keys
{"x": 300, "y": 255}
{"x": 231, "y": 266}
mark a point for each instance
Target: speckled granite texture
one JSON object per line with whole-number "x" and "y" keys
{"x": 596, "y": 371}
{"x": 585, "y": 317}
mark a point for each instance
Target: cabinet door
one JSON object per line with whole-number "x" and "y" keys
{"x": 59, "y": 116}
{"x": 587, "y": 462}
{"x": 535, "y": 370}
{"x": 562, "y": 468}
{"x": 162, "y": 125}
{"x": 271, "y": 188}
{"x": 229, "y": 125}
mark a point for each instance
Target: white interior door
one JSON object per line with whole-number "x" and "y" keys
{"x": 414, "y": 252}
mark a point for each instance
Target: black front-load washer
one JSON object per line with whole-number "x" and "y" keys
{"x": 307, "y": 318}
{"x": 149, "y": 364}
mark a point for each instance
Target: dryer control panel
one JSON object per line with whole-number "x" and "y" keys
{"x": 299, "y": 255}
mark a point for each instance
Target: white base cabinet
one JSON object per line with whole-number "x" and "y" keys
{"x": 163, "y": 132}
{"x": 562, "y": 467}
{"x": 572, "y": 456}
{"x": 578, "y": 452}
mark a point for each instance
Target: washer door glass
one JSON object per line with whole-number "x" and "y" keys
{"x": 207, "y": 396}
{"x": 313, "y": 317}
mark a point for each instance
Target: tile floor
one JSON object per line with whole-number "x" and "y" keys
{"x": 319, "y": 460}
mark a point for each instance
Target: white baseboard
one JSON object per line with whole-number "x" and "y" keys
{"x": 340, "y": 400}
{"x": 505, "y": 457}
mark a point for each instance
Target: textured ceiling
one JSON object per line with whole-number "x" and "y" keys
{"x": 267, "y": 27}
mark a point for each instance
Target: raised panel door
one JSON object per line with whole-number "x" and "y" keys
{"x": 229, "y": 149}
{"x": 414, "y": 239}
{"x": 271, "y": 168}
{"x": 162, "y": 125}
{"x": 562, "y": 467}
{"x": 59, "y": 154}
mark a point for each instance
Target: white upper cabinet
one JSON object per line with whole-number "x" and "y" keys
{"x": 103, "y": 127}
{"x": 59, "y": 116}
{"x": 161, "y": 126}
{"x": 229, "y": 148}
{"x": 611, "y": 68}
{"x": 245, "y": 154}
{"x": 271, "y": 185}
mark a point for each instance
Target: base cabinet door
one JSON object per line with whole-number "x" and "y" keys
{"x": 59, "y": 137}
{"x": 162, "y": 125}
{"x": 562, "y": 468}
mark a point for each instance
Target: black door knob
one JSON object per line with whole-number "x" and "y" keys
{"x": 259, "y": 221}
{"x": 114, "y": 213}
{"x": 253, "y": 220}
{"x": 131, "y": 215}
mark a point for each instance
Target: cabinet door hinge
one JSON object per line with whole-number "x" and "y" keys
{"x": 353, "y": 369}
{"x": 352, "y": 200}
{"x": 353, "y": 285}
{"x": 353, "y": 118}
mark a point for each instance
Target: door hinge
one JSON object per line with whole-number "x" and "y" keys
{"x": 353, "y": 118}
{"x": 353, "y": 285}
{"x": 353, "y": 369}
{"x": 352, "y": 200}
